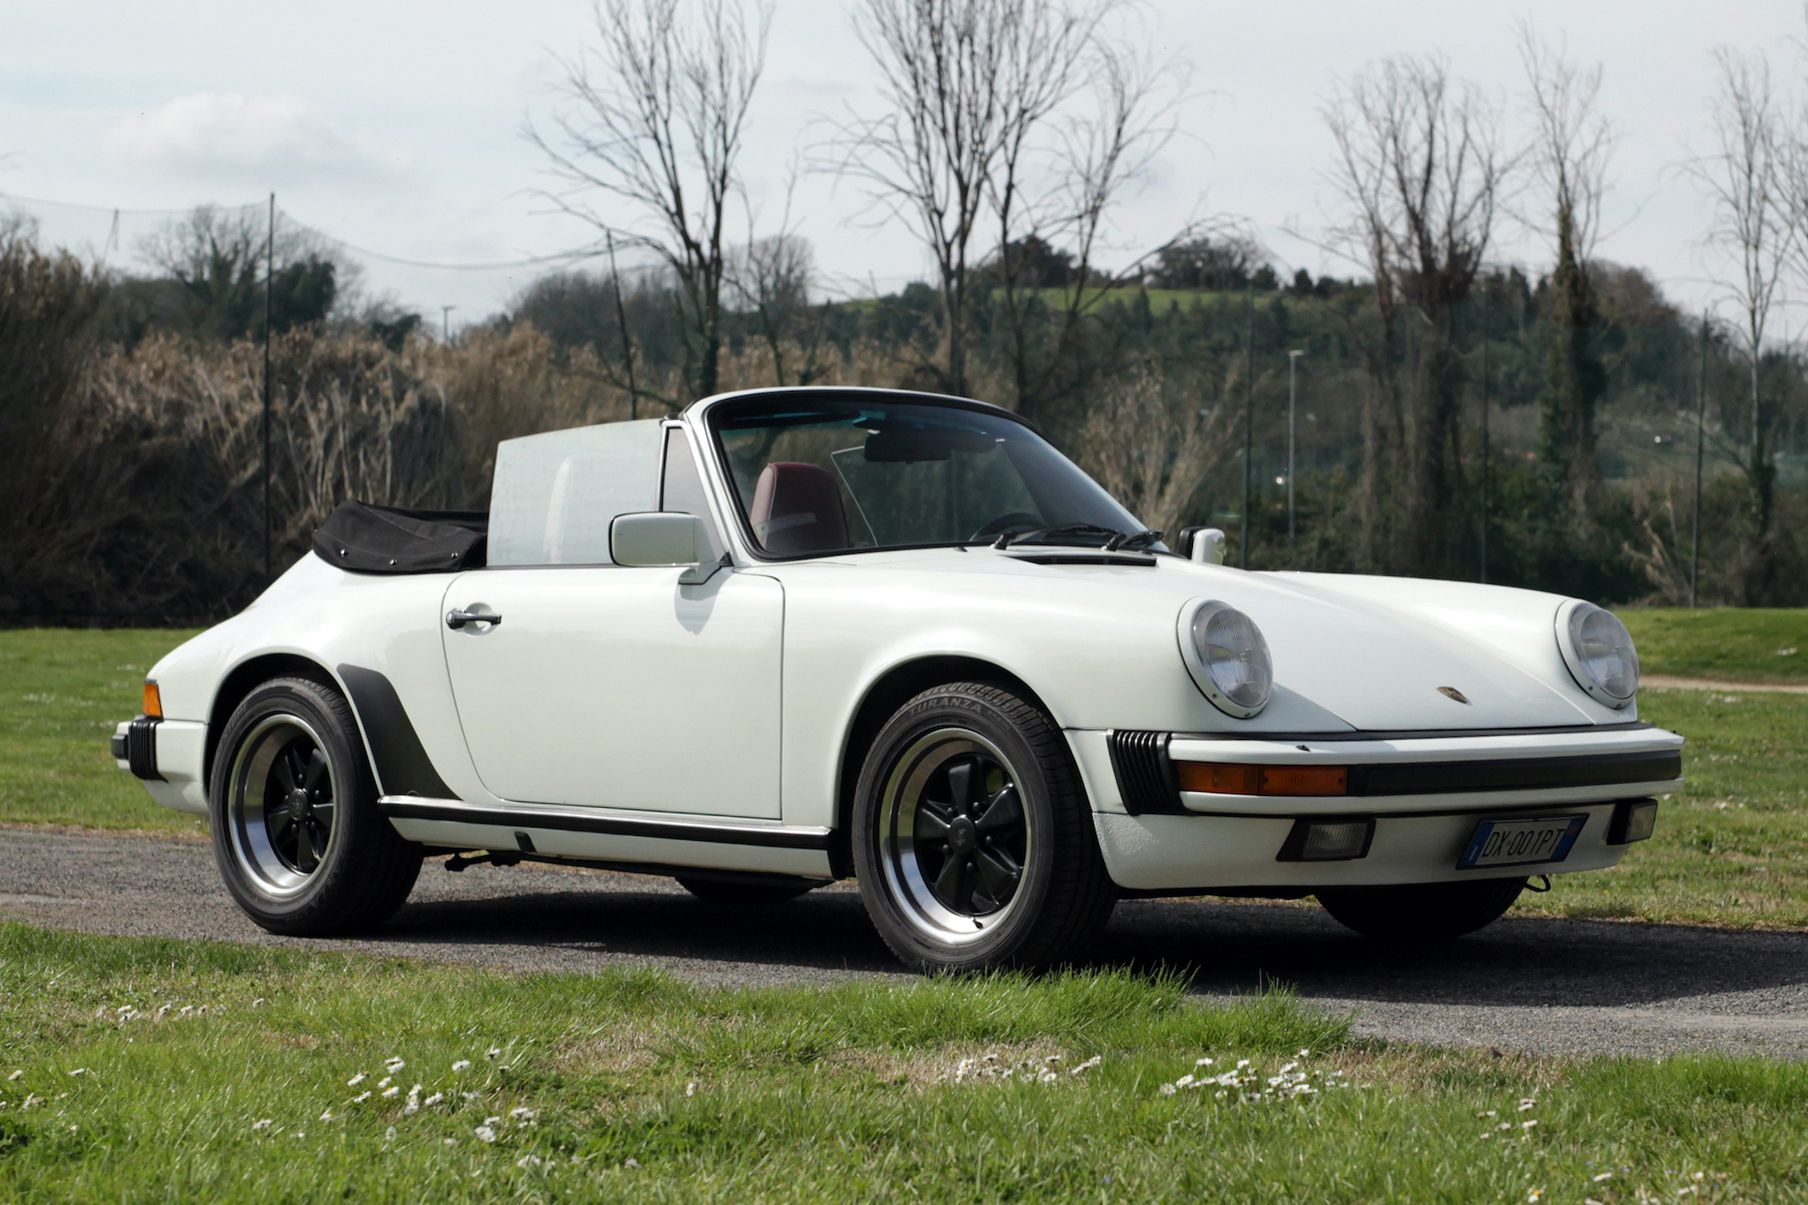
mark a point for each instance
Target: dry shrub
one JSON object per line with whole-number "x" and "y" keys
{"x": 1147, "y": 443}
{"x": 159, "y": 506}
{"x": 47, "y": 307}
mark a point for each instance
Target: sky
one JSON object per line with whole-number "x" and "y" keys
{"x": 398, "y": 129}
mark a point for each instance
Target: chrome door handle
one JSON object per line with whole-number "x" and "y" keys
{"x": 458, "y": 619}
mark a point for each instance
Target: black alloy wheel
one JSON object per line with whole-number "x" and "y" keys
{"x": 297, "y": 834}
{"x": 969, "y": 835}
{"x": 973, "y": 838}
{"x": 300, "y": 826}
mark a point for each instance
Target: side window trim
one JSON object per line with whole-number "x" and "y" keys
{"x": 711, "y": 518}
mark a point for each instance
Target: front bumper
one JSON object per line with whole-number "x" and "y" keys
{"x": 1423, "y": 793}
{"x": 168, "y": 755}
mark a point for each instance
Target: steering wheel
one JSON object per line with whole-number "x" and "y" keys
{"x": 1004, "y": 523}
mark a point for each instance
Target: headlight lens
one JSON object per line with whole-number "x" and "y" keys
{"x": 1233, "y": 657}
{"x": 1600, "y": 654}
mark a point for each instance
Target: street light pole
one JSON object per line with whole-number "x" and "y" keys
{"x": 1701, "y": 426}
{"x": 445, "y": 323}
{"x": 269, "y": 287}
{"x": 1292, "y": 398}
{"x": 1249, "y": 413}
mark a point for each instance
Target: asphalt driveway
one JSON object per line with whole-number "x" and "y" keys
{"x": 1535, "y": 985}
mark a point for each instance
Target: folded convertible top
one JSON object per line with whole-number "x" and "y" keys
{"x": 388, "y": 539}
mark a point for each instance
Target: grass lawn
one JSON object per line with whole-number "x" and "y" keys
{"x": 1732, "y": 849}
{"x": 62, "y": 691}
{"x": 163, "y": 1070}
{"x": 1726, "y": 643}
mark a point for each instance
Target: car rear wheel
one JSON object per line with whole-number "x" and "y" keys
{"x": 973, "y": 839}
{"x": 1422, "y": 912}
{"x": 296, "y": 830}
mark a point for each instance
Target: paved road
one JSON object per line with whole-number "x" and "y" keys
{"x": 1536, "y": 985}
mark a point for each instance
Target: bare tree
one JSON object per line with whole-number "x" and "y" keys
{"x": 1100, "y": 150}
{"x": 1746, "y": 172}
{"x": 970, "y": 87}
{"x": 771, "y": 276}
{"x": 654, "y": 114}
{"x": 1420, "y": 168}
{"x": 1571, "y": 147}
{"x": 217, "y": 256}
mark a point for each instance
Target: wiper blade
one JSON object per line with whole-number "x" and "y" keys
{"x": 1040, "y": 535}
{"x": 1132, "y": 541}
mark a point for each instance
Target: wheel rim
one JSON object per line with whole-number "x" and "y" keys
{"x": 282, "y": 801}
{"x": 955, "y": 841}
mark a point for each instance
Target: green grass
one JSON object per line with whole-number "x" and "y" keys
{"x": 645, "y": 1088}
{"x": 61, "y": 694}
{"x": 1727, "y": 644}
{"x": 1732, "y": 847}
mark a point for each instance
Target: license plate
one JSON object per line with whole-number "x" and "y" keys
{"x": 1521, "y": 842}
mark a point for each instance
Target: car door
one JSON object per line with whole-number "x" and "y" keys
{"x": 610, "y": 686}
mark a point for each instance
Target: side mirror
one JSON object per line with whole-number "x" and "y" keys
{"x": 658, "y": 538}
{"x": 1204, "y": 544}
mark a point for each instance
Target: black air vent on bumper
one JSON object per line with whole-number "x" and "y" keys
{"x": 141, "y": 748}
{"x": 1145, "y": 776}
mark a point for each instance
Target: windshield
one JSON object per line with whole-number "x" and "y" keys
{"x": 815, "y": 475}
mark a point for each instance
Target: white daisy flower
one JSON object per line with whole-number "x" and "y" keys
{"x": 355, "y": 1080}
{"x": 461, "y": 1064}
{"x": 485, "y": 1134}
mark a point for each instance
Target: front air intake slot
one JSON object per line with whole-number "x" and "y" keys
{"x": 1145, "y": 776}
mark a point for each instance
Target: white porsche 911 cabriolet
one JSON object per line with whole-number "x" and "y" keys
{"x": 794, "y": 635}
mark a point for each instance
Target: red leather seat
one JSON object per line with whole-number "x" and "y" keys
{"x": 797, "y": 510}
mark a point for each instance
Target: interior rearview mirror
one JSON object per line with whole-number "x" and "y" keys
{"x": 658, "y": 538}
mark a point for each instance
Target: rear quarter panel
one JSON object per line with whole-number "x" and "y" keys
{"x": 344, "y": 623}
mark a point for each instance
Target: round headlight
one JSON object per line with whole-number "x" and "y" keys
{"x": 1227, "y": 656}
{"x": 1598, "y": 650}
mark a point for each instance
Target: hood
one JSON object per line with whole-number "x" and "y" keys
{"x": 1375, "y": 653}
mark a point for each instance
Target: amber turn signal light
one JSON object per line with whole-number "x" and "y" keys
{"x": 153, "y": 701}
{"x": 1222, "y": 778}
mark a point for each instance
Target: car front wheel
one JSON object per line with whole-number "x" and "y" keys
{"x": 973, "y": 839}
{"x": 296, "y": 830}
{"x": 1422, "y": 912}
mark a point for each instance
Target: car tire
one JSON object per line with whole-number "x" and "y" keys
{"x": 296, "y": 830}
{"x": 1422, "y": 912}
{"x": 973, "y": 838}
{"x": 743, "y": 893}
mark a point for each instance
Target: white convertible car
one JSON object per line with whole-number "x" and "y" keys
{"x": 795, "y": 635}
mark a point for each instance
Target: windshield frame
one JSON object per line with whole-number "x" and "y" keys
{"x": 855, "y": 395}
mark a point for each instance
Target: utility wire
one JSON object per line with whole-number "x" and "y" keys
{"x": 559, "y": 257}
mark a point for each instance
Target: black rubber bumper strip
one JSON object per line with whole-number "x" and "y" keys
{"x": 615, "y": 826}
{"x": 1515, "y": 774}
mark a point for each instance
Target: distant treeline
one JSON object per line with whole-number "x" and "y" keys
{"x": 131, "y": 444}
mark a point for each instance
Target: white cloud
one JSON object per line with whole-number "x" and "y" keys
{"x": 243, "y": 137}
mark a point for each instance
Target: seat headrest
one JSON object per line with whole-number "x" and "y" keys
{"x": 797, "y": 510}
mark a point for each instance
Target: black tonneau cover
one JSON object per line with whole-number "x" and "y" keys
{"x": 388, "y": 539}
